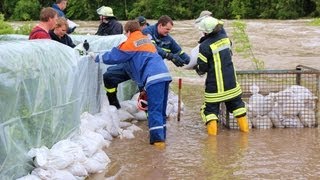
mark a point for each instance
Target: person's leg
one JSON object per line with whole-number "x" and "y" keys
{"x": 164, "y": 109}
{"x": 111, "y": 78}
{"x": 156, "y": 98}
{"x": 237, "y": 107}
{"x": 209, "y": 114}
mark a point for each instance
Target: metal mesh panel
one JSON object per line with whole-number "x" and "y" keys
{"x": 278, "y": 98}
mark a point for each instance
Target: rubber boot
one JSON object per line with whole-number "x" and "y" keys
{"x": 113, "y": 100}
{"x": 160, "y": 145}
{"x": 243, "y": 124}
{"x": 212, "y": 127}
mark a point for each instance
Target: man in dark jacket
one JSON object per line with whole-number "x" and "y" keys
{"x": 60, "y": 6}
{"x": 108, "y": 22}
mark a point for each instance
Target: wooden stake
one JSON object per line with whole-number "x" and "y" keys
{"x": 179, "y": 99}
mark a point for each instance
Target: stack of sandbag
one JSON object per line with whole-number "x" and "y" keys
{"x": 129, "y": 110}
{"x": 293, "y": 107}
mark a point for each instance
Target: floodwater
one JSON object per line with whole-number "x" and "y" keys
{"x": 191, "y": 154}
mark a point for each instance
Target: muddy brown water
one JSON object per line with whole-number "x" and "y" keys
{"x": 191, "y": 154}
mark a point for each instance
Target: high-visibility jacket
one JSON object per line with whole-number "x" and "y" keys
{"x": 145, "y": 65}
{"x": 216, "y": 60}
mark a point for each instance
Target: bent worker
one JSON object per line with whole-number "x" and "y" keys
{"x": 149, "y": 72}
{"x": 166, "y": 46}
{"x": 59, "y": 33}
{"x": 221, "y": 83}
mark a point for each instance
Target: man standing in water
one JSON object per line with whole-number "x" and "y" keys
{"x": 149, "y": 72}
{"x": 221, "y": 83}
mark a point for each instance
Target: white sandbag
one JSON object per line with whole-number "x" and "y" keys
{"x": 193, "y": 58}
{"x": 29, "y": 177}
{"x": 77, "y": 169}
{"x": 275, "y": 119}
{"x": 261, "y": 122}
{"x": 308, "y": 118}
{"x": 90, "y": 142}
{"x": 123, "y": 115}
{"x": 105, "y": 134}
{"x": 125, "y": 124}
{"x": 128, "y": 134}
{"x": 258, "y": 104}
{"x": 134, "y": 128}
{"x": 97, "y": 163}
{"x": 140, "y": 116}
{"x": 292, "y": 122}
{"x": 130, "y": 106}
{"x": 53, "y": 174}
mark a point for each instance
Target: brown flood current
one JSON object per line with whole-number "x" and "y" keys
{"x": 191, "y": 154}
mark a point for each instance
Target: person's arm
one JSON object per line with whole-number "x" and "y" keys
{"x": 117, "y": 29}
{"x": 202, "y": 61}
{"x": 115, "y": 56}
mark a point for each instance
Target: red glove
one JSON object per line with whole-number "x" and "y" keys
{"x": 142, "y": 101}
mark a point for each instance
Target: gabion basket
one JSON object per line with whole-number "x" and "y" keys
{"x": 278, "y": 98}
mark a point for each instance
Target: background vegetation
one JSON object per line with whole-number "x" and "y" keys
{"x": 178, "y": 10}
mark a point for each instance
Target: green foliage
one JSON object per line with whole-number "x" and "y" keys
{"x": 242, "y": 43}
{"x": 25, "y": 29}
{"x": 315, "y": 22}
{"x": 5, "y": 28}
{"x": 26, "y": 10}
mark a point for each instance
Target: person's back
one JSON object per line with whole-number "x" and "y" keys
{"x": 48, "y": 18}
{"x": 108, "y": 22}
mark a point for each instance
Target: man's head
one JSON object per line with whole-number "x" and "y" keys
{"x": 165, "y": 25}
{"x": 61, "y": 27}
{"x": 62, "y": 4}
{"x": 142, "y": 21}
{"x": 49, "y": 16}
{"x": 131, "y": 26}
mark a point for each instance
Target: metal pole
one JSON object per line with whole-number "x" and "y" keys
{"x": 179, "y": 98}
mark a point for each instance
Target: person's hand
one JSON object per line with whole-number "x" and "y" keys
{"x": 177, "y": 60}
{"x": 86, "y": 45}
{"x": 196, "y": 68}
{"x": 93, "y": 56}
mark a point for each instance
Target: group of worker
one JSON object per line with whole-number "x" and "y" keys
{"x": 141, "y": 58}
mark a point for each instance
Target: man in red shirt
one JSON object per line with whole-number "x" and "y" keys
{"x": 48, "y": 19}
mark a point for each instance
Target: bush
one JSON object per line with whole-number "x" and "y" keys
{"x": 24, "y": 29}
{"x": 5, "y": 28}
{"x": 26, "y": 10}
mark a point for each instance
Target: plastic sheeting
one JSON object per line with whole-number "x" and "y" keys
{"x": 44, "y": 86}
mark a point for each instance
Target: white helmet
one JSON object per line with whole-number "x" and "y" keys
{"x": 105, "y": 11}
{"x": 208, "y": 24}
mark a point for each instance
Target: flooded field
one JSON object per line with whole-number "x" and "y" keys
{"x": 191, "y": 154}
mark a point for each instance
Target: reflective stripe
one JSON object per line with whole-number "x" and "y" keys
{"x": 111, "y": 90}
{"x": 181, "y": 52}
{"x": 202, "y": 57}
{"x": 210, "y": 117}
{"x": 239, "y": 112}
{"x": 156, "y": 127}
{"x": 220, "y": 45}
{"x": 218, "y": 72}
{"x": 226, "y": 95}
{"x": 166, "y": 50}
{"x": 158, "y": 76}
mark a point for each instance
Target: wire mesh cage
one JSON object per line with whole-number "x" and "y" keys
{"x": 278, "y": 98}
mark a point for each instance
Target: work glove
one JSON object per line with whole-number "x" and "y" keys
{"x": 142, "y": 101}
{"x": 86, "y": 45}
{"x": 196, "y": 68}
{"x": 175, "y": 59}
